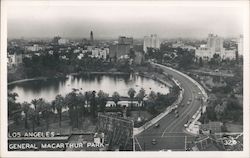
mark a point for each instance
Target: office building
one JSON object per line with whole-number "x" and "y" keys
{"x": 121, "y": 49}
{"x": 151, "y": 42}
{"x": 214, "y": 46}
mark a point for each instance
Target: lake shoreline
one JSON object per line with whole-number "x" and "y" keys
{"x": 64, "y": 76}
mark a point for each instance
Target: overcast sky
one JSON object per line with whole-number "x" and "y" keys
{"x": 110, "y": 21}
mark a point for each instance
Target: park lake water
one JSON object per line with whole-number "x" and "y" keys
{"x": 48, "y": 89}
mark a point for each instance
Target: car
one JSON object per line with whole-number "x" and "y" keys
{"x": 185, "y": 125}
{"x": 188, "y": 102}
{"x": 157, "y": 125}
{"x": 176, "y": 115}
{"x": 154, "y": 141}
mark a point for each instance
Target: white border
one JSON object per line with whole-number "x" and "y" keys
{"x": 5, "y": 153}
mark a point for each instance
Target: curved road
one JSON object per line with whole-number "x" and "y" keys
{"x": 170, "y": 134}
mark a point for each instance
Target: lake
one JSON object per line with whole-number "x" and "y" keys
{"x": 121, "y": 83}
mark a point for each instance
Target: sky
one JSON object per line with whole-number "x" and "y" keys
{"x": 110, "y": 20}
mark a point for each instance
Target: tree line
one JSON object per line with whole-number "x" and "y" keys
{"x": 79, "y": 105}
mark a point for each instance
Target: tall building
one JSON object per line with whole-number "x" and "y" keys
{"x": 151, "y": 42}
{"x": 91, "y": 37}
{"x": 214, "y": 46}
{"x": 240, "y": 45}
{"x": 122, "y": 48}
{"x": 215, "y": 43}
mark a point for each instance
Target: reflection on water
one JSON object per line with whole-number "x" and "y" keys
{"x": 48, "y": 89}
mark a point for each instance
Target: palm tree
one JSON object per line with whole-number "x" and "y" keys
{"x": 46, "y": 111}
{"x": 26, "y": 109}
{"x": 13, "y": 107}
{"x": 35, "y": 104}
{"x": 38, "y": 109}
{"x": 131, "y": 93}
{"x": 71, "y": 102}
{"x": 140, "y": 97}
{"x": 88, "y": 97}
{"x": 116, "y": 98}
{"x": 93, "y": 104}
{"x": 58, "y": 104}
{"x": 33, "y": 118}
{"x": 81, "y": 105}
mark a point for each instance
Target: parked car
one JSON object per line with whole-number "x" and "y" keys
{"x": 154, "y": 141}
{"x": 157, "y": 125}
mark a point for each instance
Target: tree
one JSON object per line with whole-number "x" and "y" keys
{"x": 200, "y": 62}
{"x": 46, "y": 112}
{"x": 140, "y": 97}
{"x": 152, "y": 96}
{"x": 37, "y": 103}
{"x": 87, "y": 97}
{"x": 26, "y": 109}
{"x": 81, "y": 102}
{"x": 71, "y": 102}
{"x": 102, "y": 99}
{"x": 186, "y": 59}
{"x": 33, "y": 118}
{"x": 93, "y": 104}
{"x": 13, "y": 107}
{"x": 39, "y": 107}
{"x": 116, "y": 98}
{"x": 58, "y": 104}
{"x": 132, "y": 54}
{"x": 131, "y": 93}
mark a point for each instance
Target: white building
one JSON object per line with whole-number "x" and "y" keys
{"x": 215, "y": 43}
{"x": 100, "y": 53}
{"x": 214, "y": 46}
{"x": 151, "y": 42}
{"x": 123, "y": 103}
{"x": 33, "y": 48}
{"x": 15, "y": 59}
{"x": 63, "y": 41}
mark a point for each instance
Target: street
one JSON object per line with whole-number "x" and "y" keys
{"x": 170, "y": 134}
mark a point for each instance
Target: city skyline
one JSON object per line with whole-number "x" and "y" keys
{"x": 111, "y": 21}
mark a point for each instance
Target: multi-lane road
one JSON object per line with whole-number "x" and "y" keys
{"x": 170, "y": 135}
